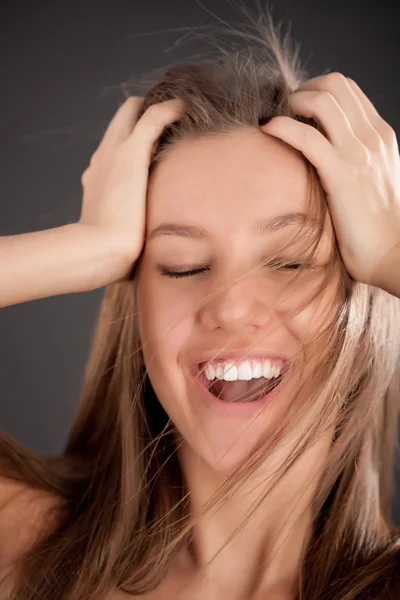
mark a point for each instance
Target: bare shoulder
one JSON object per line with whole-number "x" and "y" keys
{"x": 25, "y": 515}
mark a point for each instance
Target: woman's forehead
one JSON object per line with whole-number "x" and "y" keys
{"x": 228, "y": 176}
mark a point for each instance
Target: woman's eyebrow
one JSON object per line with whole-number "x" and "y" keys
{"x": 260, "y": 227}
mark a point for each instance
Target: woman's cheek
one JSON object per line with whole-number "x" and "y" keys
{"x": 308, "y": 326}
{"x": 166, "y": 312}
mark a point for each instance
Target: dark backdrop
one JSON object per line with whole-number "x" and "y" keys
{"x": 61, "y": 69}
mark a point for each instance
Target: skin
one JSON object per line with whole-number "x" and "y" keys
{"x": 223, "y": 184}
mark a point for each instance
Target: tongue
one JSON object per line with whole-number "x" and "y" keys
{"x": 243, "y": 391}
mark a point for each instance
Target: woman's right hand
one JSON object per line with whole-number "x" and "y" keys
{"x": 102, "y": 247}
{"x": 115, "y": 182}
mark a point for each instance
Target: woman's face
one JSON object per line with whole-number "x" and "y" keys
{"x": 221, "y": 186}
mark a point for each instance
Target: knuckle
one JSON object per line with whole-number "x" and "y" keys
{"x": 152, "y": 116}
{"x": 134, "y": 101}
{"x": 85, "y": 175}
{"x": 351, "y": 82}
{"x": 156, "y": 117}
{"x": 130, "y": 101}
{"x": 153, "y": 109}
{"x": 376, "y": 141}
{"x": 388, "y": 133}
{"x": 361, "y": 153}
{"x": 335, "y": 79}
{"x": 94, "y": 158}
{"x": 164, "y": 110}
{"x": 323, "y": 99}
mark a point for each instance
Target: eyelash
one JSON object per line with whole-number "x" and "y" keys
{"x": 182, "y": 274}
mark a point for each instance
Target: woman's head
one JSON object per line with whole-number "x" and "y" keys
{"x": 124, "y": 495}
{"x": 229, "y": 206}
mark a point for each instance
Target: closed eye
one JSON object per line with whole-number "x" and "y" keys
{"x": 282, "y": 265}
{"x": 180, "y": 274}
{"x": 291, "y": 266}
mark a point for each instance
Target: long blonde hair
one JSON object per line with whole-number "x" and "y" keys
{"x": 123, "y": 511}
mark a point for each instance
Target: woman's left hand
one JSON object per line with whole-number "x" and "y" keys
{"x": 358, "y": 163}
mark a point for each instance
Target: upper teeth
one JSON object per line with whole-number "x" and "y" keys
{"x": 246, "y": 370}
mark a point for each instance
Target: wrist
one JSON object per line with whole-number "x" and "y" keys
{"x": 116, "y": 252}
{"x": 388, "y": 276}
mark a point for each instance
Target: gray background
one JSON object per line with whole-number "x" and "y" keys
{"x": 61, "y": 69}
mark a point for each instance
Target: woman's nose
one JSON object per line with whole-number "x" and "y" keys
{"x": 237, "y": 306}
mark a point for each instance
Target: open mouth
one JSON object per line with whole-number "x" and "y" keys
{"x": 239, "y": 390}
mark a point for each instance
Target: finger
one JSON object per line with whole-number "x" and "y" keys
{"x": 338, "y": 86}
{"x": 381, "y": 126}
{"x": 94, "y": 158}
{"x": 326, "y": 111}
{"x": 121, "y": 125}
{"x": 308, "y": 140}
{"x": 151, "y": 124}
{"x": 135, "y": 152}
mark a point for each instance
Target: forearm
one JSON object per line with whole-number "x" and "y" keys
{"x": 389, "y": 275}
{"x": 71, "y": 258}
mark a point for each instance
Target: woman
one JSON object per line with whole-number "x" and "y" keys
{"x": 236, "y": 430}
